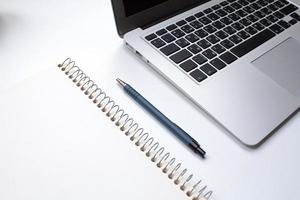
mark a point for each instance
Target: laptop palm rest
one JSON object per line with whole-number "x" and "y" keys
{"x": 282, "y": 64}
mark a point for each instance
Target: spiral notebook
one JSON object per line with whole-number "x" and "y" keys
{"x": 59, "y": 143}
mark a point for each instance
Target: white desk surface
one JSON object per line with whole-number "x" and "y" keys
{"x": 35, "y": 35}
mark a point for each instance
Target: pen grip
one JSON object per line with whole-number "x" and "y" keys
{"x": 178, "y": 132}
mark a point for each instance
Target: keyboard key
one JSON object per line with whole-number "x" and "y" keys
{"x": 228, "y": 57}
{"x": 218, "y": 24}
{"x": 266, "y": 11}
{"x": 204, "y": 20}
{"x": 204, "y": 44}
{"x": 245, "y": 22}
{"x": 199, "y": 14}
{"x": 170, "y": 49}
{"x": 181, "y": 23}
{"x": 295, "y": 16}
{"x": 210, "y": 29}
{"x": 158, "y": 43}
{"x": 279, "y": 4}
{"x": 196, "y": 24}
{"x": 208, "y": 69}
{"x": 181, "y": 56}
{"x": 248, "y": 9}
{"x": 191, "y": 18}
{"x": 252, "y": 43}
{"x": 229, "y": 9}
{"x": 289, "y": 9}
{"x": 262, "y": 2}
{"x": 217, "y": 63}
{"x": 161, "y": 32}
{"x": 251, "y": 30}
{"x": 293, "y": 21}
{"x": 221, "y": 13}
{"x": 234, "y": 17}
{"x": 221, "y": 34}
{"x": 279, "y": 15}
{"x": 192, "y": 38}
{"x": 241, "y": 13}
{"x": 243, "y": 2}
{"x": 150, "y": 37}
{"x": 259, "y": 14}
{"x": 199, "y": 59}
{"x": 187, "y": 28}
{"x": 188, "y": 65}
{"x": 235, "y": 39}
{"x": 224, "y": 3}
{"x": 209, "y": 53}
{"x": 255, "y": 6}
{"x": 226, "y": 20}
{"x": 229, "y": 30}
{"x": 272, "y": 18}
{"x": 171, "y": 27}
{"x": 198, "y": 75}
{"x": 201, "y": 33}
{"x": 243, "y": 34}
{"x": 284, "y": 24}
{"x": 276, "y": 28}
{"x": 265, "y": 22}
{"x": 218, "y": 48}
{"x": 168, "y": 38}
{"x": 216, "y": 7}
{"x": 258, "y": 26}
{"x": 194, "y": 48}
{"x": 238, "y": 26}
{"x": 273, "y": 7}
{"x": 252, "y": 18}
{"x": 213, "y": 16}
{"x": 178, "y": 33}
{"x": 227, "y": 44}
{"x": 213, "y": 39}
{"x": 182, "y": 42}
{"x": 236, "y": 6}
{"x": 207, "y": 11}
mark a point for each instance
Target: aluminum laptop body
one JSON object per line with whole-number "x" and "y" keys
{"x": 252, "y": 93}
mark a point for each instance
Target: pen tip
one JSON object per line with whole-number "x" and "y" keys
{"x": 122, "y": 83}
{"x": 201, "y": 152}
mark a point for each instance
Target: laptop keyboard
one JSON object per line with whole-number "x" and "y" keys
{"x": 204, "y": 43}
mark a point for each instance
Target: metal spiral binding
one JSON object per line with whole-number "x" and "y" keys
{"x": 143, "y": 140}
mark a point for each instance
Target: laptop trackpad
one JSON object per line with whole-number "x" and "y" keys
{"x": 282, "y": 64}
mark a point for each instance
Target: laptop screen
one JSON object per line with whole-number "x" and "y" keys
{"x": 135, "y": 6}
{"x": 131, "y": 14}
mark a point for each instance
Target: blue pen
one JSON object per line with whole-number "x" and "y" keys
{"x": 176, "y": 130}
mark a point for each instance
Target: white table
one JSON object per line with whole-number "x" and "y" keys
{"x": 35, "y": 35}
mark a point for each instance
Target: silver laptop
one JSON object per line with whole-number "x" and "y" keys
{"x": 238, "y": 60}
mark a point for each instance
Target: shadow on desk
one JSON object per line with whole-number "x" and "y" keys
{"x": 7, "y": 24}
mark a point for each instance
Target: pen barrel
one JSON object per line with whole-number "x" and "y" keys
{"x": 178, "y": 132}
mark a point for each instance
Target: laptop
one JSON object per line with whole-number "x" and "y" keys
{"x": 238, "y": 60}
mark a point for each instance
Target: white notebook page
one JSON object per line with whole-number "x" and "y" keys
{"x": 55, "y": 144}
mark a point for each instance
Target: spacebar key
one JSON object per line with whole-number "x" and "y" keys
{"x": 252, "y": 43}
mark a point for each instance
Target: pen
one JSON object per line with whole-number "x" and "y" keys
{"x": 175, "y": 129}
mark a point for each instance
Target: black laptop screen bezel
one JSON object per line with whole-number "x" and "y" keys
{"x": 151, "y": 15}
